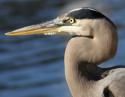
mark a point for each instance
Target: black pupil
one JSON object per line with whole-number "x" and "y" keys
{"x": 71, "y": 20}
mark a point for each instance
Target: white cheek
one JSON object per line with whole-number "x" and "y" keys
{"x": 72, "y": 30}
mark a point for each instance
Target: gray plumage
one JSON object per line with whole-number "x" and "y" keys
{"x": 94, "y": 41}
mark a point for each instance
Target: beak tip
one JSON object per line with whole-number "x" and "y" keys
{"x": 8, "y": 34}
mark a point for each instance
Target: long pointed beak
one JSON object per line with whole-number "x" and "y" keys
{"x": 47, "y": 28}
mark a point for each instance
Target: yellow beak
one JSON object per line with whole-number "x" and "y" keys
{"x": 47, "y": 28}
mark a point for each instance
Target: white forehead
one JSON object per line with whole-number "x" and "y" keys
{"x": 77, "y": 9}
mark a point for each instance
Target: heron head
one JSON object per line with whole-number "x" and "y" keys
{"x": 77, "y": 22}
{"x": 91, "y": 29}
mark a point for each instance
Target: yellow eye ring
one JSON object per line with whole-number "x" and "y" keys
{"x": 71, "y": 20}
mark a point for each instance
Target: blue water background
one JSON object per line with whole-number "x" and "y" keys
{"x": 32, "y": 66}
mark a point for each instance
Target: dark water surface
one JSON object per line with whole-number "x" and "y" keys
{"x": 32, "y": 66}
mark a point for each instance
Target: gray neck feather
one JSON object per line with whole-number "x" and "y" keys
{"x": 82, "y": 56}
{"x": 80, "y": 75}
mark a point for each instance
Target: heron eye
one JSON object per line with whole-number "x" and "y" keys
{"x": 71, "y": 20}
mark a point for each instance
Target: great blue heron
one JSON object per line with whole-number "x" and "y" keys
{"x": 94, "y": 40}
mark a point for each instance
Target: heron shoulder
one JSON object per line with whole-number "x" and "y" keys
{"x": 113, "y": 82}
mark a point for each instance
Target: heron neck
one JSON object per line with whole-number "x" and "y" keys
{"x": 80, "y": 75}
